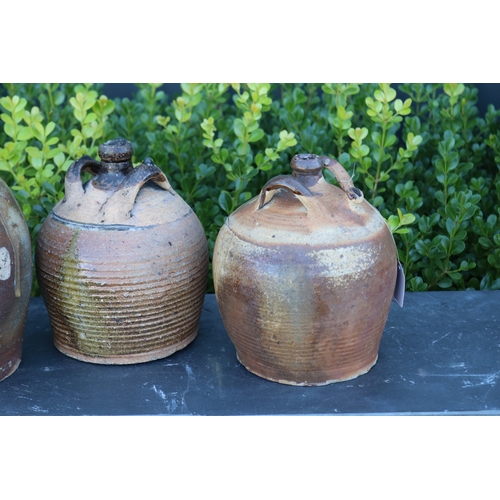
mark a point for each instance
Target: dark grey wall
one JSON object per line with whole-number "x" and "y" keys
{"x": 489, "y": 93}
{"x": 113, "y": 90}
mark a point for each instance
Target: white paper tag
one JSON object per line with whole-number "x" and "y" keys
{"x": 5, "y": 265}
{"x": 399, "y": 290}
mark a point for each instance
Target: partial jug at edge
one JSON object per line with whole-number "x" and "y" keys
{"x": 16, "y": 276}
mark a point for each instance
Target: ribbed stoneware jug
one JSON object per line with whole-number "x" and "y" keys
{"x": 16, "y": 275}
{"x": 304, "y": 275}
{"x": 122, "y": 262}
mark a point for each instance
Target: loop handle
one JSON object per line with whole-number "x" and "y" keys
{"x": 344, "y": 179}
{"x": 123, "y": 199}
{"x": 293, "y": 185}
{"x": 73, "y": 186}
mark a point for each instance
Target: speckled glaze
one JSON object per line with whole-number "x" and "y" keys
{"x": 122, "y": 263}
{"x": 304, "y": 276}
{"x": 16, "y": 274}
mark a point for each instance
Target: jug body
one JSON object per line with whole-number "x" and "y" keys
{"x": 16, "y": 274}
{"x": 304, "y": 276}
{"x": 122, "y": 264}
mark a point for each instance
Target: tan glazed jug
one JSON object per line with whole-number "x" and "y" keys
{"x": 16, "y": 275}
{"x": 304, "y": 276}
{"x": 122, "y": 262}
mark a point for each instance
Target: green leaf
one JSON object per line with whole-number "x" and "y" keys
{"x": 52, "y": 141}
{"x": 7, "y": 119}
{"x": 390, "y": 140}
{"x": 390, "y": 93}
{"x": 393, "y": 222}
{"x": 379, "y": 95}
{"x": 287, "y": 140}
{"x": 24, "y": 134}
{"x": 445, "y": 283}
{"x": 226, "y": 202}
{"x": 239, "y": 128}
{"x": 6, "y": 103}
{"x": 244, "y": 197}
{"x": 407, "y": 219}
{"x": 344, "y": 159}
{"x": 485, "y": 242}
{"x": 416, "y": 284}
{"x": 36, "y": 162}
{"x": 49, "y": 128}
{"x": 78, "y": 114}
{"x": 90, "y": 118}
{"x": 415, "y": 141}
{"x": 201, "y": 191}
{"x": 450, "y": 226}
{"x": 256, "y": 135}
{"x": 266, "y": 167}
{"x": 52, "y": 153}
{"x": 327, "y": 89}
{"x": 34, "y": 152}
{"x": 457, "y": 247}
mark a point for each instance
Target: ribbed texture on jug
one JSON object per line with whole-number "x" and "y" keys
{"x": 301, "y": 316}
{"x": 121, "y": 296}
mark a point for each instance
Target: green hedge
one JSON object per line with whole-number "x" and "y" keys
{"x": 421, "y": 153}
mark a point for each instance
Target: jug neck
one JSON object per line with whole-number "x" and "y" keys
{"x": 307, "y": 168}
{"x": 111, "y": 176}
{"x": 115, "y": 168}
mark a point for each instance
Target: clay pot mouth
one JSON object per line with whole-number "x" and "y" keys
{"x": 306, "y": 156}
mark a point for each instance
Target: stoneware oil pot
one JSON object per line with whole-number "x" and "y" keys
{"x": 16, "y": 275}
{"x": 122, "y": 262}
{"x": 304, "y": 275}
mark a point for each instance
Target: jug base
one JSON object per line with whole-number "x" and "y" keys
{"x": 126, "y": 359}
{"x": 305, "y": 383}
{"x": 9, "y": 368}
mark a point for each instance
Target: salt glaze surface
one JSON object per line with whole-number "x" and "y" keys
{"x": 122, "y": 262}
{"x": 304, "y": 276}
{"x": 16, "y": 275}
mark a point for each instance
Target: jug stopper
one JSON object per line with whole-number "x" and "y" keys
{"x": 116, "y": 154}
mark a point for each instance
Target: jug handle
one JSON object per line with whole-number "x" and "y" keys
{"x": 123, "y": 199}
{"x": 73, "y": 186}
{"x": 339, "y": 172}
{"x": 294, "y": 186}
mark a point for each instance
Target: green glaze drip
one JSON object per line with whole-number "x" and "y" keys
{"x": 71, "y": 301}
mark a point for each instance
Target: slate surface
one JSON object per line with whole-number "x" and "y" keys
{"x": 440, "y": 354}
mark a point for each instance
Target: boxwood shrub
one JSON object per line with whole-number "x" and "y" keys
{"x": 421, "y": 153}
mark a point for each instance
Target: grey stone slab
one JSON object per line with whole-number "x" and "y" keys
{"x": 439, "y": 355}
